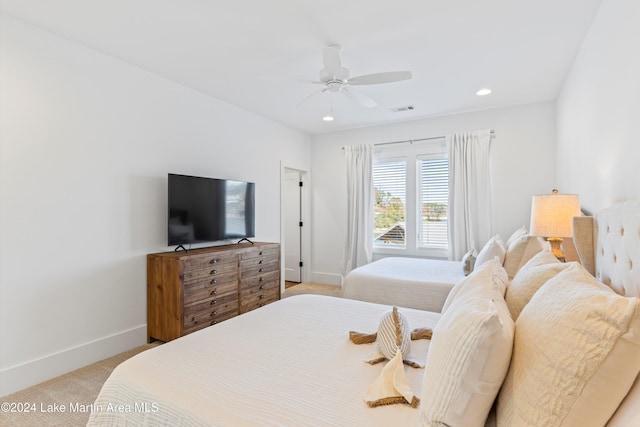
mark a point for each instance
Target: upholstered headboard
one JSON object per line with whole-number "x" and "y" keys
{"x": 608, "y": 245}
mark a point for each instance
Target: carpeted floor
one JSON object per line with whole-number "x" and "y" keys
{"x": 41, "y": 405}
{"x": 80, "y": 388}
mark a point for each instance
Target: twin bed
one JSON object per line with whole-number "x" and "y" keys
{"x": 417, "y": 283}
{"x": 291, "y": 363}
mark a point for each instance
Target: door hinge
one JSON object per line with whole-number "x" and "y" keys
{"x": 300, "y": 224}
{"x": 300, "y": 183}
{"x": 300, "y": 264}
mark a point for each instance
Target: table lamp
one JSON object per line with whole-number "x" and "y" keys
{"x": 552, "y": 217}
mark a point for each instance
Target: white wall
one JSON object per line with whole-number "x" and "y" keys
{"x": 523, "y": 156}
{"x": 86, "y": 142}
{"x": 599, "y": 111}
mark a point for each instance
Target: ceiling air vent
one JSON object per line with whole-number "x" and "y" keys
{"x": 400, "y": 109}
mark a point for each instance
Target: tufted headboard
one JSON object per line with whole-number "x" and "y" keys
{"x": 608, "y": 245}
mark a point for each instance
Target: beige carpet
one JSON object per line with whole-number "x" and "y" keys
{"x": 70, "y": 391}
{"x": 81, "y": 387}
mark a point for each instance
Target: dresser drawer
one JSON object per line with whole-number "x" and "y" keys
{"x": 260, "y": 281}
{"x": 258, "y": 261}
{"x": 258, "y": 269}
{"x": 208, "y": 289}
{"x": 197, "y": 262}
{"x": 211, "y": 272}
{"x": 210, "y": 316}
{"x": 272, "y": 251}
{"x": 265, "y": 288}
{"x": 251, "y": 302}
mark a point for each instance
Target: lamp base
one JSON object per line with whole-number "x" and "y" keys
{"x": 556, "y": 247}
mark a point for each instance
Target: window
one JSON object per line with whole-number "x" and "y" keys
{"x": 411, "y": 190}
{"x": 389, "y": 188}
{"x": 433, "y": 201}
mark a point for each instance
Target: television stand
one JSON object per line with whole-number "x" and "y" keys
{"x": 243, "y": 239}
{"x": 188, "y": 291}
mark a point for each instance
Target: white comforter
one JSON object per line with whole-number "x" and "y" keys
{"x": 407, "y": 282}
{"x": 287, "y": 364}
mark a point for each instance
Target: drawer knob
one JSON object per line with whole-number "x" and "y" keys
{"x": 214, "y": 292}
{"x": 261, "y": 279}
{"x": 213, "y": 322}
{"x": 261, "y": 287}
{"x": 261, "y": 253}
{"x": 213, "y": 271}
{"x": 213, "y": 313}
{"x": 213, "y": 261}
{"x": 260, "y": 270}
{"x": 261, "y": 296}
{"x": 213, "y": 281}
{"x": 261, "y": 304}
{"x": 213, "y": 302}
{"x": 260, "y": 262}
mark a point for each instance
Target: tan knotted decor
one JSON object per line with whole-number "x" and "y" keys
{"x": 393, "y": 342}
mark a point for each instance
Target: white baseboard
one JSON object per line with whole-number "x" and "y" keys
{"x": 327, "y": 278}
{"x": 35, "y": 371}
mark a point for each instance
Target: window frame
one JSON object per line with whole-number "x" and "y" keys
{"x": 410, "y": 153}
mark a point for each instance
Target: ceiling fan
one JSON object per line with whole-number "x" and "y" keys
{"x": 335, "y": 78}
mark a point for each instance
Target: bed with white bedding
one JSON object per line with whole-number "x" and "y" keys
{"x": 407, "y": 282}
{"x": 291, "y": 363}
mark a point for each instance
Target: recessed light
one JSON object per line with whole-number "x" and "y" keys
{"x": 483, "y": 92}
{"x": 328, "y": 118}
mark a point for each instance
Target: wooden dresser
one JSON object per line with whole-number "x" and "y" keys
{"x": 188, "y": 291}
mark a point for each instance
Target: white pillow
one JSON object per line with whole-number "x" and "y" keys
{"x": 493, "y": 248}
{"x": 535, "y": 273}
{"x": 490, "y": 272}
{"x": 469, "y": 355}
{"x": 519, "y": 251}
{"x": 576, "y": 354}
{"x": 522, "y": 231}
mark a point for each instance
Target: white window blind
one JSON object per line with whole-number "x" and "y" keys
{"x": 433, "y": 201}
{"x": 389, "y": 184}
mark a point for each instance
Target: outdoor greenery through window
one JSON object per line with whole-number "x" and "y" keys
{"x": 411, "y": 197}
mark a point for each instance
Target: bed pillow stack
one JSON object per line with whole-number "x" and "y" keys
{"x": 578, "y": 338}
{"x": 469, "y": 352}
{"x": 535, "y": 273}
{"x": 513, "y": 255}
{"x": 519, "y": 251}
{"x": 493, "y": 248}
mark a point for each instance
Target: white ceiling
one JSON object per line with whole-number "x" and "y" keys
{"x": 262, "y": 55}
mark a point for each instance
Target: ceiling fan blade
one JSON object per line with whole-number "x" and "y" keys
{"x": 331, "y": 61}
{"x": 359, "y": 97}
{"x": 377, "y": 78}
{"x": 311, "y": 96}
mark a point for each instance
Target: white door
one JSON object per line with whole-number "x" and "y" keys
{"x": 292, "y": 226}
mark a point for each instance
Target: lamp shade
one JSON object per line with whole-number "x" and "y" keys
{"x": 552, "y": 214}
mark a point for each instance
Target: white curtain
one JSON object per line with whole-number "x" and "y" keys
{"x": 358, "y": 246}
{"x": 470, "y": 208}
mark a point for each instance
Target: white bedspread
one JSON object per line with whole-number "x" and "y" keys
{"x": 289, "y": 363}
{"x": 407, "y": 282}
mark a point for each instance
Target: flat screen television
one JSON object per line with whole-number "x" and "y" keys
{"x": 208, "y": 210}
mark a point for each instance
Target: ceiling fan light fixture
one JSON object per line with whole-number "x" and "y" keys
{"x": 483, "y": 92}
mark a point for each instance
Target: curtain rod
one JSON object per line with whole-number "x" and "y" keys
{"x": 411, "y": 141}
